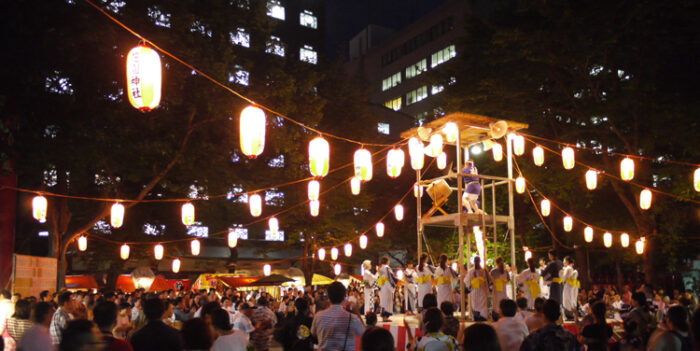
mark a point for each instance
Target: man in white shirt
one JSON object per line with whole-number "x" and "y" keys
{"x": 522, "y": 309}
{"x": 241, "y": 320}
{"x": 7, "y": 308}
{"x": 38, "y": 337}
{"x": 511, "y": 332}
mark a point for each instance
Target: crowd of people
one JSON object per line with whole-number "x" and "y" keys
{"x": 530, "y": 317}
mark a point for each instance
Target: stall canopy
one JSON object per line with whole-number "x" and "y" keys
{"x": 126, "y": 284}
{"x": 235, "y": 282}
{"x": 321, "y": 280}
{"x": 272, "y": 280}
{"x": 81, "y": 282}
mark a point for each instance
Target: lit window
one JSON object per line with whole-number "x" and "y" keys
{"x": 442, "y": 56}
{"x": 275, "y": 9}
{"x": 275, "y": 46}
{"x": 383, "y": 128}
{"x": 236, "y": 194}
{"x": 198, "y": 230}
{"x": 269, "y": 236}
{"x": 394, "y": 104}
{"x": 197, "y": 191}
{"x": 416, "y": 95}
{"x": 391, "y": 81}
{"x": 307, "y": 19}
{"x": 307, "y": 54}
{"x": 102, "y": 227}
{"x": 417, "y": 68}
{"x": 43, "y": 233}
{"x": 153, "y": 229}
{"x": 58, "y": 85}
{"x": 199, "y": 27}
{"x": 241, "y": 233}
{"x": 240, "y": 37}
{"x": 274, "y": 197}
{"x": 436, "y": 89}
{"x": 239, "y": 76}
{"x": 277, "y": 162}
{"x": 159, "y": 18}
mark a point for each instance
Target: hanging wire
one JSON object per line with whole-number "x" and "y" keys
{"x": 224, "y": 86}
{"x": 611, "y": 152}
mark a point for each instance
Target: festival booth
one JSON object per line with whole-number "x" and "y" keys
{"x": 127, "y": 284}
{"x": 299, "y": 281}
{"x": 464, "y": 131}
{"x": 80, "y": 282}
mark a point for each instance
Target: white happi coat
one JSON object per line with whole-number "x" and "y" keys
{"x": 386, "y": 282}
{"x": 424, "y": 282}
{"x": 478, "y": 281}
{"x": 410, "y": 284}
{"x": 570, "y": 294}
{"x": 369, "y": 280}
{"x": 444, "y": 287}
{"x": 544, "y": 288}
{"x": 529, "y": 283}
{"x": 500, "y": 287}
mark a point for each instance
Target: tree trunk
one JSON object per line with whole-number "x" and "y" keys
{"x": 582, "y": 264}
{"x": 618, "y": 272}
{"x": 649, "y": 269}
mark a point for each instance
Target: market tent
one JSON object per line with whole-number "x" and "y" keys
{"x": 235, "y": 282}
{"x": 272, "y": 280}
{"x": 125, "y": 283}
{"x": 160, "y": 284}
{"x": 81, "y": 282}
{"x": 321, "y": 280}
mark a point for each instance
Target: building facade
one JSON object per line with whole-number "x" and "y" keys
{"x": 394, "y": 67}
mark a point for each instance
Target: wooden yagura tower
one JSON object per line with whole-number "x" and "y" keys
{"x": 471, "y": 130}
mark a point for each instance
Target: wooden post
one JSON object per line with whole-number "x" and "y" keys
{"x": 458, "y": 147}
{"x": 511, "y": 214}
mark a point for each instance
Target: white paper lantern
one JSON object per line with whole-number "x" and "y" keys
{"x": 337, "y": 269}
{"x": 319, "y": 157}
{"x": 545, "y": 207}
{"x": 232, "y": 238}
{"x": 398, "y": 212}
{"x": 355, "y": 185}
{"x": 588, "y": 234}
{"x": 497, "y": 151}
{"x": 314, "y": 189}
{"x": 450, "y": 130}
{"x": 347, "y": 250}
{"x": 82, "y": 243}
{"x": 314, "y": 207}
{"x": 538, "y": 155}
{"x": 363, "y": 241}
{"x": 435, "y": 145}
{"x": 567, "y": 158}
{"x": 255, "y": 204}
{"x": 625, "y": 240}
{"x": 363, "y": 165}
{"x": 187, "y": 214}
{"x": 639, "y": 246}
{"x": 518, "y": 145}
{"x": 143, "y": 77}
{"x": 394, "y": 162}
{"x": 252, "y": 131}
{"x": 274, "y": 225}
{"x": 380, "y": 229}
{"x": 520, "y": 185}
{"x": 627, "y": 169}
{"x": 568, "y": 223}
{"x": 158, "y": 252}
{"x": 334, "y": 253}
{"x": 645, "y": 199}
{"x": 415, "y": 151}
{"x": 116, "y": 217}
{"x": 442, "y": 161}
{"x": 607, "y": 239}
{"x": 267, "y": 270}
{"x": 39, "y": 208}
{"x": 417, "y": 191}
{"x": 591, "y": 179}
{"x": 124, "y": 252}
{"x": 176, "y": 265}
{"x": 321, "y": 254}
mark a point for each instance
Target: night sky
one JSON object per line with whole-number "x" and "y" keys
{"x": 344, "y": 19}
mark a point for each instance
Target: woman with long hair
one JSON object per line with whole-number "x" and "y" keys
{"x": 571, "y": 285}
{"x": 478, "y": 281}
{"x": 529, "y": 280}
{"x": 386, "y": 282}
{"x": 425, "y": 272}
{"x": 444, "y": 275}
{"x": 369, "y": 282}
{"x": 500, "y": 279}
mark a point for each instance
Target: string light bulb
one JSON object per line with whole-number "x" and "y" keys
{"x": 252, "y": 131}
{"x": 591, "y": 179}
{"x": 116, "y": 217}
{"x": 347, "y": 250}
{"x": 567, "y": 158}
{"x": 380, "y": 229}
{"x": 314, "y": 207}
{"x": 274, "y": 225}
{"x": 363, "y": 164}
{"x": 607, "y": 239}
{"x": 334, "y": 254}
{"x": 314, "y": 190}
{"x": 337, "y": 269}
{"x": 321, "y": 254}
{"x": 442, "y": 161}
{"x": 187, "y": 212}
{"x": 176, "y": 265}
{"x": 319, "y": 157}
{"x": 545, "y": 207}
{"x": 124, "y": 252}
{"x": 625, "y": 240}
{"x": 232, "y": 238}
{"x": 143, "y": 77}
{"x": 639, "y": 246}
{"x": 417, "y": 191}
{"x": 39, "y": 208}
{"x": 627, "y": 169}
{"x": 195, "y": 247}
{"x": 267, "y": 270}
{"x": 394, "y": 162}
{"x": 355, "y": 185}
{"x": 538, "y": 155}
{"x": 518, "y": 145}
{"x": 435, "y": 145}
{"x": 158, "y": 252}
{"x": 520, "y": 185}
{"x": 497, "y": 151}
{"x": 588, "y": 234}
{"x": 645, "y": 199}
{"x": 568, "y": 223}
{"x": 398, "y": 212}
{"x": 415, "y": 152}
{"x": 363, "y": 241}
{"x": 82, "y": 243}
{"x": 255, "y": 204}
{"x": 450, "y": 130}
